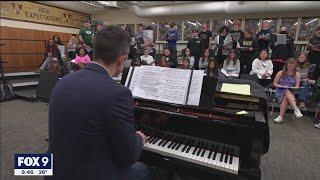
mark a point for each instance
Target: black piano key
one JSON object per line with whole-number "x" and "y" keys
{"x": 181, "y": 143}
{"x": 191, "y": 144}
{"x": 172, "y": 141}
{"x": 159, "y": 138}
{"x": 186, "y": 145}
{"x": 195, "y": 148}
{"x": 167, "y": 141}
{"x": 222, "y": 154}
{"x": 211, "y": 151}
{"x": 204, "y": 149}
{"x": 227, "y": 155}
{"x": 200, "y": 148}
{"x": 176, "y": 142}
{"x": 156, "y": 140}
{"x": 164, "y": 138}
{"x": 231, "y": 156}
{"x": 216, "y": 149}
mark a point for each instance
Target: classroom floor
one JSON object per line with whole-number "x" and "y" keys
{"x": 294, "y": 152}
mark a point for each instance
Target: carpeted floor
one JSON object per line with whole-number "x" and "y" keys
{"x": 294, "y": 152}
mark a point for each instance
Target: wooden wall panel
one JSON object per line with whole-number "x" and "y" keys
{"x": 5, "y": 47}
{"x": 27, "y": 34}
{"x": 28, "y": 47}
{"x": 12, "y": 59}
{"x": 14, "y": 33}
{"x": 28, "y": 60}
{"x": 4, "y": 32}
{"x": 39, "y": 35}
{"x": 39, "y": 46}
{"x": 14, "y": 46}
{"x": 24, "y": 48}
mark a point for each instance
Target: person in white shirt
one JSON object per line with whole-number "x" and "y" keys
{"x": 146, "y": 58}
{"x": 262, "y": 68}
{"x": 231, "y": 65}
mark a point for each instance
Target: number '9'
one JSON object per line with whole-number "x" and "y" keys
{"x": 45, "y": 161}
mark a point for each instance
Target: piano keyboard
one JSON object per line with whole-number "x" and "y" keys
{"x": 213, "y": 155}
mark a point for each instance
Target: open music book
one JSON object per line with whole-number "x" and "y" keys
{"x": 281, "y": 38}
{"x": 177, "y": 86}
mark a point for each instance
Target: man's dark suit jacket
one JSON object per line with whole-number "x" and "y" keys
{"x": 91, "y": 127}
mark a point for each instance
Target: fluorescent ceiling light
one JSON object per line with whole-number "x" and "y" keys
{"x": 230, "y": 21}
{"x": 108, "y": 3}
{"x": 311, "y": 21}
{"x": 194, "y": 24}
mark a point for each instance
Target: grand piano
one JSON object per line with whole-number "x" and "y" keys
{"x": 222, "y": 138}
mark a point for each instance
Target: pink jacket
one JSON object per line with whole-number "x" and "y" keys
{"x": 85, "y": 59}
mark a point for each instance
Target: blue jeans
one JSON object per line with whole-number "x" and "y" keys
{"x": 303, "y": 94}
{"x": 141, "y": 171}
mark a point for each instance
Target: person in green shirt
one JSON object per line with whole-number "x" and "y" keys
{"x": 85, "y": 35}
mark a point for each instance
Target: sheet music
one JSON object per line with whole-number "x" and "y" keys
{"x": 281, "y": 38}
{"x": 162, "y": 84}
{"x": 128, "y": 77}
{"x": 135, "y": 77}
{"x": 243, "y": 89}
{"x": 195, "y": 88}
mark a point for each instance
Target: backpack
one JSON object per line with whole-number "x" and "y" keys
{"x": 6, "y": 92}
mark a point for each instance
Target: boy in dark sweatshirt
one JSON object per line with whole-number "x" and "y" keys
{"x": 264, "y": 36}
{"x": 248, "y": 51}
{"x": 195, "y": 48}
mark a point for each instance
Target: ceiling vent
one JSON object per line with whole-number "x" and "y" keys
{"x": 103, "y": 4}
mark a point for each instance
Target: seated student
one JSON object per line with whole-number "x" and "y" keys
{"x": 262, "y": 68}
{"x": 136, "y": 62}
{"x": 54, "y": 66}
{"x": 185, "y": 63}
{"x": 82, "y": 58}
{"x": 187, "y": 54}
{"x": 72, "y": 46}
{"x": 204, "y": 60}
{"x": 146, "y": 59}
{"x": 231, "y": 65}
{"x": 249, "y": 47}
{"x": 302, "y": 68}
{"x": 164, "y": 62}
{"x": 52, "y": 50}
{"x": 213, "y": 69}
{"x": 172, "y": 60}
{"x": 285, "y": 81}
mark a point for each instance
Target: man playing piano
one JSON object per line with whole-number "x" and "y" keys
{"x": 91, "y": 126}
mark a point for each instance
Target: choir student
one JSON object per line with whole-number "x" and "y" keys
{"x": 285, "y": 82}
{"x": 231, "y": 66}
{"x": 204, "y": 60}
{"x": 262, "y": 68}
{"x": 248, "y": 50}
{"x": 213, "y": 69}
